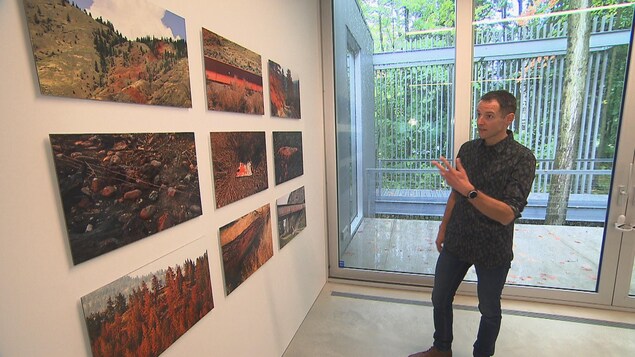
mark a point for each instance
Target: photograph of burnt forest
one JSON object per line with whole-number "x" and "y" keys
{"x": 143, "y": 313}
{"x": 246, "y": 245}
{"x": 134, "y": 52}
{"x": 287, "y": 149}
{"x": 119, "y": 188}
{"x": 233, "y": 76}
{"x": 284, "y": 92}
{"x": 239, "y": 163}
{"x": 291, "y": 210}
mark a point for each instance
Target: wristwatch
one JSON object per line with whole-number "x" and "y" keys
{"x": 472, "y": 194}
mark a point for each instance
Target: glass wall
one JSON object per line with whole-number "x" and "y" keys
{"x": 566, "y": 65}
{"x": 566, "y": 62}
{"x": 412, "y": 117}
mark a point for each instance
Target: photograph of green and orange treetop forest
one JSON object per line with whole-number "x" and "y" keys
{"x": 143, "y": 315}
{"x": 112, "y": 50}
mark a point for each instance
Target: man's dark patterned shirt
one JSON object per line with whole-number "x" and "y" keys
{"x": 504, "y": 171}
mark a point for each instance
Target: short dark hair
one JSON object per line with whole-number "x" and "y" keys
{"x": 506, "y": 100}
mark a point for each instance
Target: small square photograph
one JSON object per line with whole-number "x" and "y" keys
{"x": 291, "y": 215}
{"x": 284, "y": 92}
{"x": 287, "y": 149}
{"x": 246, "y": 245}
{"x": 239, "y": 163}
{"x": 233, "y": 76}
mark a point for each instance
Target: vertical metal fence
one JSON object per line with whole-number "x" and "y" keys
{"x": 414, "y": 106}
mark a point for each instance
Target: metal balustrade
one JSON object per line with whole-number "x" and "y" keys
{"x": 421, "y": 192}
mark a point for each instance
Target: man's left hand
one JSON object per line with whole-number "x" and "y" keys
{"x": 455, "y": 177}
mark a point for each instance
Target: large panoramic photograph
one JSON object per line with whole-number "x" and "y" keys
{"x": 246, "y": 244}
{"x": 233, "y": 76}
{"x": 119, "y": 188}
{"x": 144, "y": 312}
{"x": 110, "y": 50}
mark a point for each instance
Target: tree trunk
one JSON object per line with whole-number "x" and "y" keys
{"x": 406, "y": 28}
{"x": 381, "y": 34}
{"x": 406, "y": 20}
{"x": 579, "y": 29}
{"x": 607, "y": 122}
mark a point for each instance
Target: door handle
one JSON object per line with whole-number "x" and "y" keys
{"x": 622, "y": 190}
{"x": 621, "y": 193}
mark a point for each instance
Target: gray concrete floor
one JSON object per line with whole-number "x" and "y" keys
{"x": 545, "y": 256}
{"x": 351, "y": 321}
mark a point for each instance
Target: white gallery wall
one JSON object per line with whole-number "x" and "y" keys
{"x": 40, "y": 307}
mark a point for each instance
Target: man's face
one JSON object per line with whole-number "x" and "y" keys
{"x": 491, "y": 122}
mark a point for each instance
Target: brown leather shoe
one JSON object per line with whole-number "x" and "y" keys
{"x": 433, "y": 352}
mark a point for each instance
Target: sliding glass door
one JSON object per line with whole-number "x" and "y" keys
{"x": 428, "y": 63}
{"x": 623, "y": 201}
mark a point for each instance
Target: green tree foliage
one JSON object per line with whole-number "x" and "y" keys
{"x": 391, "y": 21}
{"x": 424, "y": 94}
{"x": 105, "y": 42}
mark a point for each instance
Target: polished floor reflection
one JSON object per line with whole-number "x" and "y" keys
{"x": 546, "y": 256}
{"x": 350, "y": 321}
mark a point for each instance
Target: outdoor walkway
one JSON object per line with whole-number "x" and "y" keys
{"x": 546, "y": 256}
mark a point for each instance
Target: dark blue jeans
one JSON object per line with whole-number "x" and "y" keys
{"x": 448, "y": 275}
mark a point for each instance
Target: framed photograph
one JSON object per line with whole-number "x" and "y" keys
{"x": 110, "y": 50}
{"x": 287, "y": 149}
{"x": 284, "y": 92}
{"x": 233, "y": 76}
{"x": 144, "y": 312}
{"x": 119, "y": 188}
{"x": 291, "y": 210}
{"x": 246, "y": 245}
{"x": 239, "y": 163}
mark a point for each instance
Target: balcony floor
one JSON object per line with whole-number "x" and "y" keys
{"x": 546, "y": 256}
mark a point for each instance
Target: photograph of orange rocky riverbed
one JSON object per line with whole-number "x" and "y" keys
{"x": 119, "y": 188}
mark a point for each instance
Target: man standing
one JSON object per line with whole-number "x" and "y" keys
{"x": 490, "y": 185}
